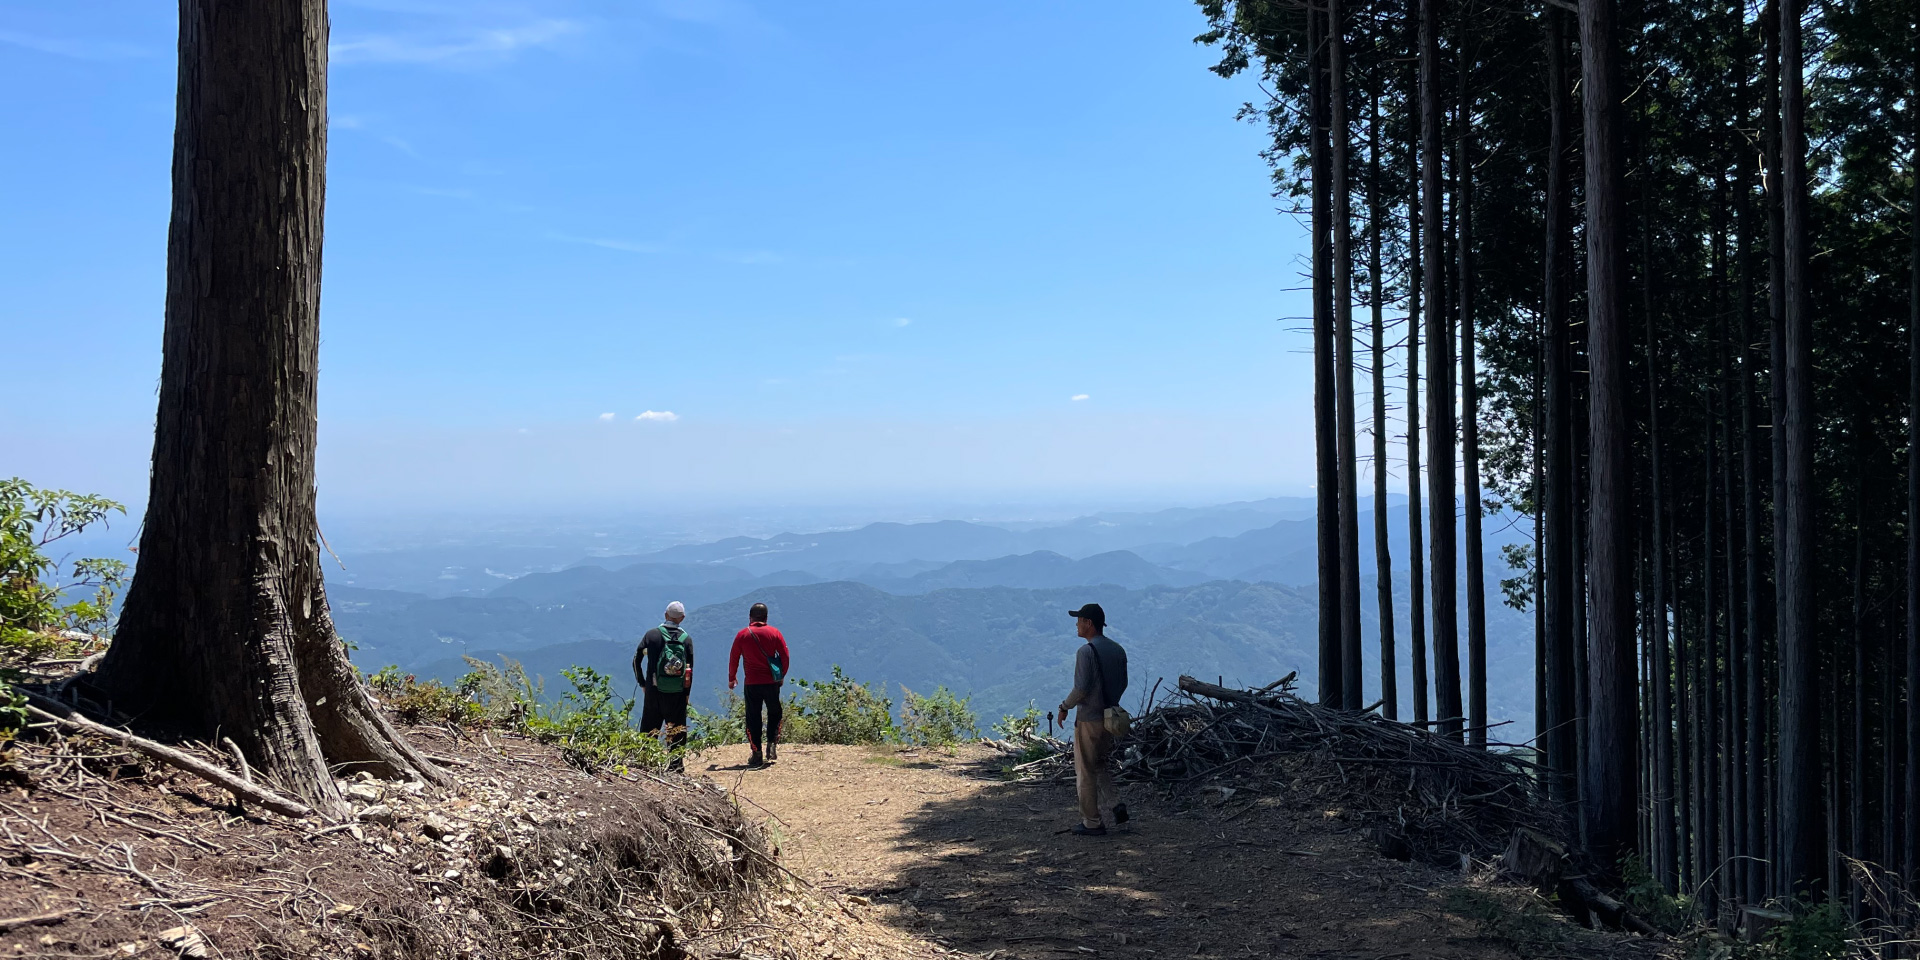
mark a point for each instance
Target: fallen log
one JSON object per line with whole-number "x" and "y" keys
{"x": 60, "y": 713}
{"x": 1542, "y": 861}
{"x": 38, "y": 919}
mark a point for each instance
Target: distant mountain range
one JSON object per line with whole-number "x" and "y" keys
{"x": 891, "y": 604}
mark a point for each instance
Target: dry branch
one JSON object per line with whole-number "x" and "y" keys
{"x": 70, "y": 718}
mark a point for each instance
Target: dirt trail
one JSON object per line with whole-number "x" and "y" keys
{"x": 952, "y": 851}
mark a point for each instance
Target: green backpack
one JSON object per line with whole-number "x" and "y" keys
{"x": 671, "y": 677}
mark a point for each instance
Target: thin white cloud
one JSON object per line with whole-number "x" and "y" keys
{"x": 609, "y": 243}
{"x": 81, "y": 49}
{"x": 497, "y": 43}
{"x": 659, "y": 416}
{"x": 903, "y": 321}
{"x": 606, "y": 416}
{"x": 1081, "y": 396}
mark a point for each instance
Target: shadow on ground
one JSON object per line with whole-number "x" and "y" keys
{"x": 988, "y": 867}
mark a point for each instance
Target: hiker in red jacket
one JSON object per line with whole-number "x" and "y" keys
{"x": 764, "y": 652}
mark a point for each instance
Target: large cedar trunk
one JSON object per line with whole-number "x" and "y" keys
{"x": 1910, "y": 825}
{"x": 1611, "y": 802}
{"x": 225, "y": 629}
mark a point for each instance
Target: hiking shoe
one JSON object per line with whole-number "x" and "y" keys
{"x": 1082, "y": 830}
{"x": 755, "y": 760}
{"x": 1120, "y": 813}
{"x": 773, "y": 751}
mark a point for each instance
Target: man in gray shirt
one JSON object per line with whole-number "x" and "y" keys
{"x": 1099, "y": 681}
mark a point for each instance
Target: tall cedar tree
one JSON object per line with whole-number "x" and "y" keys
{"x": 226, "y": 629}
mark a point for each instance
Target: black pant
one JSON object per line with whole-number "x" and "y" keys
{"x": 759, "y": 694}
{"x": 665, "y": 709}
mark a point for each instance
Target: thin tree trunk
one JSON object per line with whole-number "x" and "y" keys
{"x": 1326, "y": 358}
{"x": 1910, "y": 823}
{"x": 1610, "y": 805}
{"x": 1470, "y": 419}
{"x": 1562, "y": 738}
{"x": 1352, "y": 667}
{"x": 1709, "y": 678}
{"x": 1440, "y": 434}
{"x": 1801, "y": 816}
{"x": 226, "y": 625}
{"x": 1382, "y": 554}
{"x": 1416, "y": 533}
{"x": 1777, "y": 414}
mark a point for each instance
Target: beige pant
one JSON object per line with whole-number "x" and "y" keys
{"x": 1092, "y": 744}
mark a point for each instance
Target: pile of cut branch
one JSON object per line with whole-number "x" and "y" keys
{"x": 1426, "y": 796}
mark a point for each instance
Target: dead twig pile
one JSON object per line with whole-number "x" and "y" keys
{"x": 1427, "y": 796}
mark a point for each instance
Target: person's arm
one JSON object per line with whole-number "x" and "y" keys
{"x": 733, "y": 660}
{"x": 1082, "y": 682}
{"x": 643, "y": 661}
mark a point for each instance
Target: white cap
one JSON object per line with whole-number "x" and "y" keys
{"x": 676, "y": 611}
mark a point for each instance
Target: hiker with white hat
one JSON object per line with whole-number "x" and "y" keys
{"x": 664, "y": 666}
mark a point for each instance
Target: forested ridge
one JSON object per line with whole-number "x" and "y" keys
{"x": 1647, "y": 272}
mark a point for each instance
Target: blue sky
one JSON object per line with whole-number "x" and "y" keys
{"x": 855, "y": 249}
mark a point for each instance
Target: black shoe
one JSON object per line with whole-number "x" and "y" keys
{"x": 773, "y": 751}
{"x": 1082, "y": 830}
{"x": 755, "y": 760}
{"x": 1120, "y": 813}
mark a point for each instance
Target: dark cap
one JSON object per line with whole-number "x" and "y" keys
{"x": 1092, "y": 612}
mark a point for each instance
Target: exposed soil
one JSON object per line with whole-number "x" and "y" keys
{"x": 957, "y": 853}
{"x": 105, "y": 855}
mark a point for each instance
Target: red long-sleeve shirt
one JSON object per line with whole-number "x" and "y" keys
{"x": 754, "y": 646}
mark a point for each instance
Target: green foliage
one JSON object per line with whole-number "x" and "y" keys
{"x": 594, "y": 728}
{"x": 839, "y": 710}
{"x": 34, "y": 598}
{"x": 1023, "y": 730}
{"x": 13, "y": 708}
{"x": 1816, "y": 932}
{"x": 722, "y": 729}
{"x": 941, "y": 720}
{"x": 430, "y": 702}
{"x": 1648, "y": 898}
{"x": 505, "y": 696}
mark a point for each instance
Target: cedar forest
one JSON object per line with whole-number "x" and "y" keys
{"x": 1660, "y": 261}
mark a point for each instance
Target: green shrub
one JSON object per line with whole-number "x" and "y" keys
{"x": 1816, "y": 932}
{"x": 941, "y": 720}
{"x": 593, "y": 728}
{"x": 1023, "y": 731}
{"x": 840, "y": 710}
{"x": 13, "y": 708}
{"x": 412, "y": 701}
{"x": 506, "y": 697}
{"x": 725, "y": 728}
{"x": 34, "y": 599}
{"x": 1649, "y": 898}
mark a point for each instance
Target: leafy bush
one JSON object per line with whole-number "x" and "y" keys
{"x": 1649, "y": 898}
{"x": 722, "y": 729}
{"x": 13, "y": 709}
{"x": 840, "y": 710}
{"x": 941, "y": 720}
{"x": 1023, "y": 730}
{"x": 415, "y": 702}
{"x": 504, "y": 694}
{"x": 1816, "y": 932}
{"x": 594, "y": 728}
{"x": 34, "y": 600}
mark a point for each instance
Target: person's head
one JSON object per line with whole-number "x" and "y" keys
{"x": 757, "y": 613}
{"x": 676, "y": 612}
{"x": 1090, "y": 620}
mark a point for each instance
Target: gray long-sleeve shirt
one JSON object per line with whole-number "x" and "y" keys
{"x": 1088, "y": 694}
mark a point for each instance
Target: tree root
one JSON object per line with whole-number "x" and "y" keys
{"x": 60, "y": 713}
